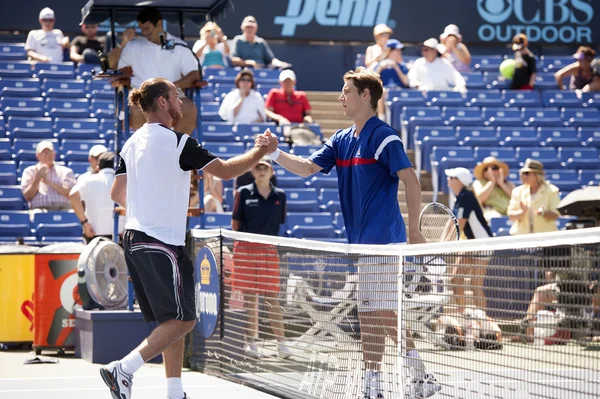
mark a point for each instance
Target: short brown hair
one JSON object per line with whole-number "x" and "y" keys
{"x": 244, "y": 72}
{"x": 148, "y": 93}
{"x": 365, "y": 79}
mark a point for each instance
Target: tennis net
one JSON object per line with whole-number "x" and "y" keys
{"x": 509, "y": 317}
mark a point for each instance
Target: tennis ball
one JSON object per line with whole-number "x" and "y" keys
{"x": 507, "y": 68}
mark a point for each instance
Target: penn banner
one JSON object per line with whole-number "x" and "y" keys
{"x": 208, "y": 292}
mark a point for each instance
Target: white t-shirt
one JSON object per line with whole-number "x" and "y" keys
{"x": 220, "y": 47}
{"x": 252, "y": 107}
{"x": 94, "y": 190}
{"x": 46, "y": 43}
{"x": 437, "y": 75}
{"x": 149, "y": 60}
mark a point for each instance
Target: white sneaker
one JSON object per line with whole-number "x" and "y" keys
{"x": 418, "y": 388}
{"x": 284, "y": 351}
{"x": 252, "y": 351}
{"x": 119, "y": 382}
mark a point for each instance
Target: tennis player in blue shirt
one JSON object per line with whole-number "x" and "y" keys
{"x": 370, "y": 161}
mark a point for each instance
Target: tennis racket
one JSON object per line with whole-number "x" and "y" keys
{"x": 437, "y": 223}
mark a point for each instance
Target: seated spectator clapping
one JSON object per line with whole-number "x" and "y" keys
{"x": 249, "y": 50}
{"x": 456, "y": 52}
{"x": 85, "y": 48}
{"x": 434, "y": 72}
{"x": 287, "y": 105}
{"x": 376, "y": 52}
{"x": 243, "y": 104}
{"x": 46, "y": 185}
{"x": 580, "y": 71}
{"x": 46, "y": 44}
{"x": 212, "y": 48}
{"x": 492, "y": 187}
{"x": 392, "y": 71}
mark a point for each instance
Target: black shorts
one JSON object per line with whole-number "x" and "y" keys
{"x": 162, "y": 277}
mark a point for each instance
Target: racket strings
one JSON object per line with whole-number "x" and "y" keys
{"x": 438, "y": 224}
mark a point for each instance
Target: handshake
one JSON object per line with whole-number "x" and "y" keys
{"x": 266, "y": 142}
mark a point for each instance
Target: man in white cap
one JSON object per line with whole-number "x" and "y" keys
{"x": 46, "y": 44}
{"x": 46, "y": 185}
{"x": 286, "y": 105}
{"x": 434, "y": 72}
{"x": 93, "y": 156}
{"x": 249, "y": 50}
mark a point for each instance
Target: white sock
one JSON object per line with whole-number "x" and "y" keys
{"x": 372, "y": 382}
{"x": 414, "y": 364}
{"x": 132, "y": 362}
{"x": 175, "y": 388}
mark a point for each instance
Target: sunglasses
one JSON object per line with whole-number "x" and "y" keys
{"x": 246, "y": 80}
{"x": 494, "y": 168}
{"x": 525, "y": 173}
{"x": 47, "y": 20}
{"x": 261, "y": 167}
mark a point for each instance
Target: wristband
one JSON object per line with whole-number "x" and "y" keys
{"x": 274, "y": 155}
{"x": 83, "y": 222}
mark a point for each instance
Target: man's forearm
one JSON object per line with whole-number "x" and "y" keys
{"x": 237, "y": 165}
{"x": 412, "y": 188}
{"x": 113, "y": 57}
{"x": 64, "y": 191}
{"x": 31, "y": 191}
{"x": 297, "y": 165}
{"x": 75, "y": 200}
{"x": 37, "y": 57}
{"x": 237, "y": 61}
{"x": 188, "y": 80}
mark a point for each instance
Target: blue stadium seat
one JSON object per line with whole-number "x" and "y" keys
{"x": 305, "y": 150}
{"x": 14, "y": 224}
{"x": 78, "y": 168}
{"x": 318, "y": 219}
{"x": 66, "y": 70}
{"x": 68, "y": 108}
{"x": 582, "y": 117}
{"x": 320, "y": 181}
{"x": 338, "y": 221}
{"x": 302, "y": 199}
{"x": 486, "y": 62}
{"x": 565, "y": 180}
{"x": 11, "y": 69}
{"x": 103, "y": 108}
{"x": 463, "y": 132}
{"x": 225, "y": 150}
{"x": 561, "y": 98}
{"x": 515, "y": 136}
{"x": 475, "y": 80}
{"x": 215, "y": 220}
{"x": 590, "y": 137}
{"x": 496, "y": 81}
{"x": 228, "y": 198}
{"x": 8, "y": 172}
{"x": 579, "y": 158}
{"x": 286, "y": 179}
{"x": 217, "y": 131}
{"x": 250, "y": 130}
{"x": 70, "y": 88}
{"x": 11, "y": 197}
{"x": 419, "y": 116}
{"x": 32, "y": 128}
{"x": 559, "y": 137}
{"x": 401, "y": 99}
{"x": 591, "y": 99}
{"x": 562, "y": 221}
{"x": 445, "y": 98}
{"x": 521, "y": 98}
{"x": 22, "y": 106}
{"x": 545, "y": 81}
{"x": 265, "y": 75}
{"x": 443, "y": 158}
{"x": 265, "y": 87}
{"x": 426, "y": 137}
{"x": 5, "y": 150}
{"x": 13, "y": 52}
{"x": 546, "y": 155}
{"x": 24, "y": 149}
{"x": 314, "y": 232}
{"x": 480, "y": 137}
{"x": 500, "y": 223}
{"x": 79, "y": 145}
{"x": 328, "y": 194}
{"x": 485, "y": 98}
{"x": 463, "y": 116}
{"x": 504, "y": 154}
{"x": 554, "y": 63}
{"x": 589, "y": 177}
{"x": 502, "y": 116}
{"x": 20, "y": 87}
{"x": 102, "y": 89}
{"x": 56, "y": 224}
{"x": 222, "y": 89}
{"x": 83, "y": 128}
{"x": 538, "y": 117}
{"x": 22, "y": 165}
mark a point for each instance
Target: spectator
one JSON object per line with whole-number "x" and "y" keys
{"x": 286, "y": 105}
{"x": 244, "y": 104}
{"x": 392, "y": 71}
{"x": 472, "y": 225}
{"x": 248, "y": 178}
{"x": 213, "y": 193}
{"x": 492, "y": 187}
{"x": 252, "y": 51}
{"x": 85, "y": 48}
{"x": 97, "y": 218}
{"x": 46, "y": 44}
{"x": 149, "y": 58}
{"x": 93, "y": 156}
{"x": 533, "y": 204}
{"x": 376, "y": 52}
{"x": 433, "y": 72}
{"x": 212, "y": 48}
{"x": 260, "y": 208}
{"x": 525, "y": 64}
{"x": 594, "y": 85}
{"x": 46, "y": 186}
{"x": 580, "y": 71}
{"x": 456, "y": 52}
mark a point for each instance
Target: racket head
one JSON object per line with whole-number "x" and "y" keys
{"x": 437, "y": 223}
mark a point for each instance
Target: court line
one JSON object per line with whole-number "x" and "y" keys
{"x": 83, "y": 377}
{"x": 100, "y": 388}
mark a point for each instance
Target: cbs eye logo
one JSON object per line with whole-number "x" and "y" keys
{"x": 495, "y": 11}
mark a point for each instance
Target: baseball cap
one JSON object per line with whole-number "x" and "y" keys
{"x": 394, "y": 44}
{"x": 519, "y": 41}
{"x": 287, "y": 74}
{"x": 462, "y": 174}
{"x": 43, "y": 145}
{"x": 265, "y": 161}
{"x": 451, "y": 30}
{"x": 249, "y": 21}
{"x": 434, "y": 44}
{"x": 47, "y": 13}
{"x": 97, "y": 150}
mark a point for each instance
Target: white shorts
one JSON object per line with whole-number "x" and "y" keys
{"x": 378, "y": 283}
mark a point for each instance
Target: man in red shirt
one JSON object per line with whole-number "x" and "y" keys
{"x": 286, "y": 105}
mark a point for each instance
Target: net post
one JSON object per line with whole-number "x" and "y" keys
{"x": 221, "y": 286}
{"x": 400, "y": 336}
